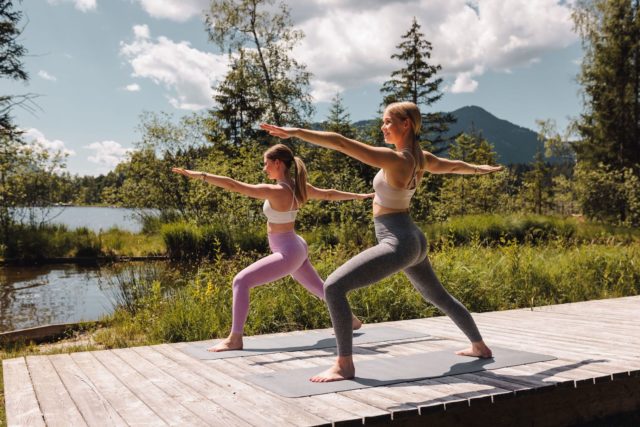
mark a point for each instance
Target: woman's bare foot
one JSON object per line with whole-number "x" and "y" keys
{"x": 355, "y": 322}
{"x": 343, "y": 369}
{"x": 477, "y": 349}
{"x": 232, "y": 342}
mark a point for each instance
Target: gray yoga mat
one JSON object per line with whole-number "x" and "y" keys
{"x": 392, "y": 370}
{"x": 308, "y": 341}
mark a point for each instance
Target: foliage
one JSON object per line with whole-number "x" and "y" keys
{"x": 610, "y": 80}
{"x": 536, "y": 191}
{"x": 609, "y": 195}
{"x": 186, "y": 241}
{"x": 30, "y": 243}
{"x": 460, "y": 195}
{"x": 26, "y": 182}
{"x": 11, "y": 66}
{"x": 265, "y": 82}
{"x": 483, "y": 278}
{"x": 496, "y": 230}
{"x": 608, "y": 153}
{"x": 417, "y": 83}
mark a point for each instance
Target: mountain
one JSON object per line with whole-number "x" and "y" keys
{"x": 513, "y": 143}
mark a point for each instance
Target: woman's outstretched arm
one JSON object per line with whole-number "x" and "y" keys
{"x": 438, "y": 165}
{"x": 257, "y": 191}
{"x": 380, "y": 157}
{"x": 333, "y": 194}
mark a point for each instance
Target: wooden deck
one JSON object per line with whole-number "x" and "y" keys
{"x": 597, "y": 373}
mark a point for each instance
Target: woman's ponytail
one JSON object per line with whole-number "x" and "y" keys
{"x": 300, "y": 179}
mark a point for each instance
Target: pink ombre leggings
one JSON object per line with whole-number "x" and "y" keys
{"x": 289, "y": 257}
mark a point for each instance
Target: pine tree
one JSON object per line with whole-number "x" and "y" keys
{"x": 339, "y": 119}
{"x": 608, "y": 153}
{"x": 417, "y": 83}
{"x": 461, "y": 195}
{"x": 239, "y": 105}
{"x": 11, "y": 66}
{"x": 610, "y": 79}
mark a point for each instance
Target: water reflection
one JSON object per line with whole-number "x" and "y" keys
{"x": 66, "y": 293}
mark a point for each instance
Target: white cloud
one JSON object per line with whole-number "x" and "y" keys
{"x": 82, "y": 5}
{"x": 322, "y": 91}
{"x": 463, "y": 84}
{"x": 134, "y": 87}
{"x": 38, "y": 141}
{"x": 349, "y": 42}
{"x": 141, "y": 31}
{"x": 186, "y": 73}
{"x": 46, "y": 76}
{"x": 175, "y": 10}
{"x": 108, "y": 153}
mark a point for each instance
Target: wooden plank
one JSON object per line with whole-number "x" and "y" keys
{"x": 94, "y": 407}
{"x": 56, "y": 404}
{"x": 185, "y": 393}
{"x": 132, "y": 410}
{"x": 168, "y": 408}
{"x": 280, "y": 411}
{"x": 21, "y": 403}
{"x": 332, "y": 407}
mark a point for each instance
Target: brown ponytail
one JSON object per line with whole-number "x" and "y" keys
{"x": 300, "y": 180}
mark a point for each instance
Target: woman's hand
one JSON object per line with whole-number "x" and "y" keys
{"x": 278, "y": 131}
{"x": 485, "y": 169}
{"x": 186, "y": 172}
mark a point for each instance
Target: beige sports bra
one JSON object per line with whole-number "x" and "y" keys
{"x": 392, "y": 197}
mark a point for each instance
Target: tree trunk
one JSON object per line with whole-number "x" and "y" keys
{"x": 265, "y": 70}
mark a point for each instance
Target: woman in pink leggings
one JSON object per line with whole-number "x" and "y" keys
{"x": 289, "y": 251}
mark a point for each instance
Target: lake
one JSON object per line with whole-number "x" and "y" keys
{"x": 63, "y": 293}
{"x": 93, "y": 218}
{"x": 41, "y": 295}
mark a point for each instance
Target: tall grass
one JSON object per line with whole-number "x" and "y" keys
{"x": 529, "y": 229}
{"x": 186, "y": 241}
{"x": 38, "y": 243}
{"x": 484, "y": 278}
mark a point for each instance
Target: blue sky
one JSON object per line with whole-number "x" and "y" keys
{"x": 97, "y": 65}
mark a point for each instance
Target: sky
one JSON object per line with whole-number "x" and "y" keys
{"x": 97, "y": 65}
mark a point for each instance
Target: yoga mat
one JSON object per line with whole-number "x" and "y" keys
{"x": 392, "y": 370}
{"x": 308, "y": 341}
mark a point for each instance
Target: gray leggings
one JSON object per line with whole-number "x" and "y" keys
{"x": 401, "y": 247}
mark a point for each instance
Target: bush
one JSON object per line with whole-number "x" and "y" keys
{"x": 35, "y": 243}
{"x": 189, "y": 241}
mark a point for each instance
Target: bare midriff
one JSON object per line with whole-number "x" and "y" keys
{"x": 381, "y": 210}
{"x": 280, "y": 228}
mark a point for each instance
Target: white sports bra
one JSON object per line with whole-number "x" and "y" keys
{"x": 392, "y": 197}
{"x": 280, "y": 217}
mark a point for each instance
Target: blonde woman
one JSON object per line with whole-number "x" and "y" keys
{"x": 401, "y": 244}
{"x": 289, "y": 251}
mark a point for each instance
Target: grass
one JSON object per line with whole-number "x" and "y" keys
{"x": 125, "y": 243}
{"x": 484, "y": 278}
{"x": 56, "y": 241}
